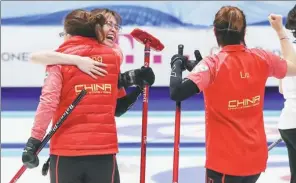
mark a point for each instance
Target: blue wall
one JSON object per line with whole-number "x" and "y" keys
{"x": 26, "y": 99}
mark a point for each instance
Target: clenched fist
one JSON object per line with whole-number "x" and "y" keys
{"x": 276, "y": 22}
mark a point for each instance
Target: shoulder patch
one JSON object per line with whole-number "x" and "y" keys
{"x": 200, "y": 67}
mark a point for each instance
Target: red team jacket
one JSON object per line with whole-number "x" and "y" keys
{"x": 90, "y": 129}
{"x": 233, "y": 83}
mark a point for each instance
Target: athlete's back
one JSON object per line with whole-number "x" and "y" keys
{"x": 234, "y": 99}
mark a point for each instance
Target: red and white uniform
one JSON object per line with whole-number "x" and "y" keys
{"x": 233, "y": 82}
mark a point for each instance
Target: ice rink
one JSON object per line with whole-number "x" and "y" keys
{"x": 33, "y": 27}
{"x": 16, "y": 128}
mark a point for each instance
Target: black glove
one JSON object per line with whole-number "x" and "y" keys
{"x": 185, "y": 63}
{"x": 190, "y": 64}
{"x": 138, "y": 77}
{"x": 144, "y": 76}
{"x": 179, "y": 60}
{"x": 29, "y": 157}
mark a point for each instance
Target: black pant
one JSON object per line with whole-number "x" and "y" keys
{"x": 289, "y": 137}
{"x": 216, "y": 177}
{"x": 84, "y": 169}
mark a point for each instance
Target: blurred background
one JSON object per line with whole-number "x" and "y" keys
{"x": 31, "y": 26}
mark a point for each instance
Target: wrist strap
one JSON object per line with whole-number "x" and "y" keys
{"x": 283, "y": 38}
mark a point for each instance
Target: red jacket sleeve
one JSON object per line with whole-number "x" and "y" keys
{"x": 203, "y": 73}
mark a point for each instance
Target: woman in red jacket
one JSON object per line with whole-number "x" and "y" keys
{"x": 84, "y": 148}
{"x": 233, "y": 83}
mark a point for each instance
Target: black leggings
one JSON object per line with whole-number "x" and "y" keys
{"x": 216, "y": 177}
{"x": 289, "y": 137}
{"x": 84, "y": 169}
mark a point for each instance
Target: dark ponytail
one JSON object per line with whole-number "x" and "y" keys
{"x": 291, "y": 21}
{"x": 230, "y": 26}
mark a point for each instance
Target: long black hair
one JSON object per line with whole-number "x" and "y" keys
{"x": 291, "y": 21}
